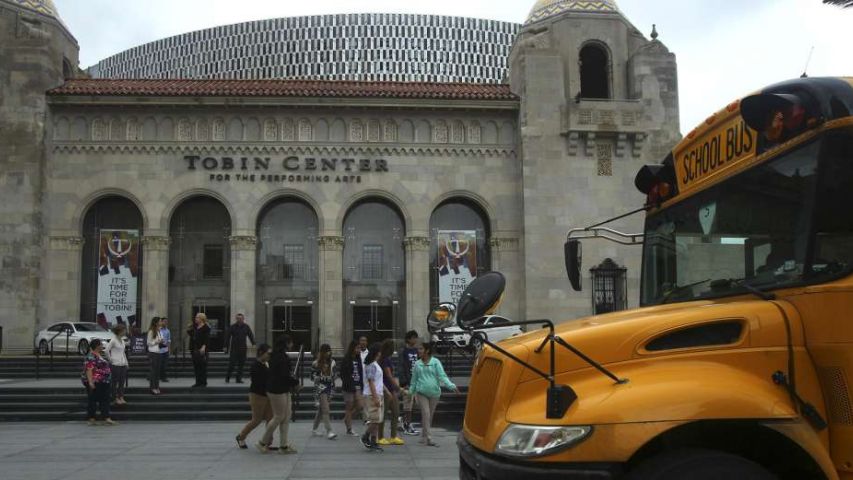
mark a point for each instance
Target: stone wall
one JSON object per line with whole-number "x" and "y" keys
{"x": 33, "y": 49}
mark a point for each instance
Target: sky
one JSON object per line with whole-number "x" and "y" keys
{"x": 725, "y": 48}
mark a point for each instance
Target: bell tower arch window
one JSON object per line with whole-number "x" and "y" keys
{"x": 595, "y": 68}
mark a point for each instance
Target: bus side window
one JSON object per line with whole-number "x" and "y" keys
{"x": 833, "y": 218}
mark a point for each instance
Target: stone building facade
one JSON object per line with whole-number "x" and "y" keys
{"x": 315, "y": 207}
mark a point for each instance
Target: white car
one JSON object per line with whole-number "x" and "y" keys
{"x": 455, "y": 336}
{"x": 75, "y": 335}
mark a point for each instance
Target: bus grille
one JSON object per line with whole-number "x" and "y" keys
{"x": 481, "y": 396}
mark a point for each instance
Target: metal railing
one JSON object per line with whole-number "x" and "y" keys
{"x": 50, "y": 351}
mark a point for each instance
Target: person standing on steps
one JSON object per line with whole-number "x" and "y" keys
{"x": 117, "y": 353}
{"x": 363, "y": 345}
{"x": 199, "y": 335}
{"x": 235, "y": 345}
{"x": 352, "y": 373}
{"x": 407, "y": 357}
{"x": 164, "y": 352}
{"x": 427, "y": 379}
{"x": 323, "y": 373}
{"x": 96, "y": 378}
{"x": 258, "y": 400}
{"x": 154, "y": 340}
{"x": 280, "y": 384}
{"x": 374, "y": 406}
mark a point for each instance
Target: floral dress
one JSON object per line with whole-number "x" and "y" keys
{"x": 101, "y": 372}
{"x": 323, "y": 383}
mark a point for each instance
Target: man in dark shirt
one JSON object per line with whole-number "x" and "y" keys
{"x": 235, "y": 344}
{"x": 407, "y": 358}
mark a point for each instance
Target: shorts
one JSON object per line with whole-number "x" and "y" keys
{"x": 350, "y": 397}
{"x": 372, "y": 413}
{"x": 408, "y": 400}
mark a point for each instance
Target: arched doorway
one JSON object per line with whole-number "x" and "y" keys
{"x": 111, "y": 266}
{"x": 287, "y": 278}
{"x": 595, "y": 72}
{"x": 459, "y": 233}
{"x": 200, "y": 266}
{"x": 374, "y": 271}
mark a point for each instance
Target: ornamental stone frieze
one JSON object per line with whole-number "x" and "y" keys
{"x": 331, "y": 243}
{"x": 416, "y": 244}
{"x": 504, "y": 244}
{"x": 69, "y": 243}
{"x": 156, "y": 243}
{"x": 243, "y": 242}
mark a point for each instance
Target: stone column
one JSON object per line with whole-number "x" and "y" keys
{"x": 155, "y": 279}
{"x": 417, "y": 284}
{"x": 331, "y": 316}
{"x": 61, "y": 300}
{"x": 243, "y": 264}
{"x": 506, "y": 258}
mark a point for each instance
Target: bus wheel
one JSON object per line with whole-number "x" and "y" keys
{"x": 697, "y": 464}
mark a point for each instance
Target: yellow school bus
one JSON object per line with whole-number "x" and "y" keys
{"x": 739, "y": 362}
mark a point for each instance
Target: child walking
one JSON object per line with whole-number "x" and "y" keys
{"x": 427, "y": 378}
{"x": 374, "y": 406}
{"x": 323, "y": 372}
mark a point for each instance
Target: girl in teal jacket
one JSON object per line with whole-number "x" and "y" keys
{"x": 427, "y": 378}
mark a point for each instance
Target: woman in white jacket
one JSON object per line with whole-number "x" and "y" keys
{"x": 116, "y": 352}
{"x": 155, "y": 343}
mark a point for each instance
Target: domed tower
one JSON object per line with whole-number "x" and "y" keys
{"x": 37, "y": 52}
{"x": 598, "y": 101}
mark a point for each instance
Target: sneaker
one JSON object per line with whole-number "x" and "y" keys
{"x": 241, "y": 443}
{"x": 262, "y": 447}
{"x": 397, "y": 441}
{"x": 365, "y": 440}
{"x": 410, "y": 430}
{"x": 110, "y": 422}
{"x": 384, "y": 442}
{"x": 287, "y": 450}
{"x": 375, "y": 447}
{"x": 92, "y": 423}
{"x": 315, "y": 433}
{"x": 332, "y": 435}
{"x": 430, "y": 443}
{"x": 352, "y": 433}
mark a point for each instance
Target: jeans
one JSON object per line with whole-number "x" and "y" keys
{"x": 119, "y": 380}
{"x": 237, "y": 357}
{"x": 281, "y": 418}
{"x": 428, "y": 406}
{"x": 164, "y": 364}
{"x": 100, "y": 397}
{"x": 200, "y": 367}
{"x": 154, "y": 372}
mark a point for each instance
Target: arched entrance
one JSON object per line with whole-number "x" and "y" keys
{"x": 459, "y": 233}
{"x": 287, "y": 278}
{"x": 111, "y": 267}
{"x": 200, "y": 266}
{"x": 374, "y": 271}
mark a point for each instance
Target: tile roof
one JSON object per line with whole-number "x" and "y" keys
{"x": 282, "y": 88}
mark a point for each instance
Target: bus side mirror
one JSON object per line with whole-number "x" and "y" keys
{"x": 572, "y": 253}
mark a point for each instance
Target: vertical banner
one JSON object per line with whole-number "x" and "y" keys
{"x": 118, "y": 271}
{"x": 457, "y": 263}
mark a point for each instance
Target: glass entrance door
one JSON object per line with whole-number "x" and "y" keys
{"x": 217, "y": 319}
{"x": 373, "y": 319}
{"x": 293, "y": 319}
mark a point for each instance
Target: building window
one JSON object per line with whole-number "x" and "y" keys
{"x": 294, "y": 262}
{"x": 371, "y": 262}
{"x": 609, "y": 287}
{"x": 595, "y": 72}
{"x": 213, "y": 262}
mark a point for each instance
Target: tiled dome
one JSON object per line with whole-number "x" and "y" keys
{"x": 44, "y": 7}
{"x": 545, "y": 9}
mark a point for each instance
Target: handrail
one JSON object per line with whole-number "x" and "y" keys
{"x": 50, "y": 351}
{"x": 607, "y": 234}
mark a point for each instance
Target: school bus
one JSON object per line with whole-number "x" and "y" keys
{"x": 739, "y": 362}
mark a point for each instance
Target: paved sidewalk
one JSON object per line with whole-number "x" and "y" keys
{"x": 207, "y": 451}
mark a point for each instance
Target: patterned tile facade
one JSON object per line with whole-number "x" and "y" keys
{"x": 545, "y": 9}
{"x": 45, "y": 7}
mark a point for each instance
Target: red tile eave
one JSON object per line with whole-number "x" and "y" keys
{"x": 283, "y": 88}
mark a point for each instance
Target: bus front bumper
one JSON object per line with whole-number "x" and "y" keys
{"x": 477, "y": 465}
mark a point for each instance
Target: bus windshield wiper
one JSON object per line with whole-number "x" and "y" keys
{"x": 680, "y": 288}
{"x": 741, "y": 282}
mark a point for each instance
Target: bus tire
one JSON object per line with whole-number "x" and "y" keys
{"x": 699, "y": 464}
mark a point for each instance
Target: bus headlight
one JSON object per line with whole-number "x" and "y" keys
{"x": 536, "y": 441}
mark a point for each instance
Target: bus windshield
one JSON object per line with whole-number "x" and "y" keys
{"x": 754, "y": 230}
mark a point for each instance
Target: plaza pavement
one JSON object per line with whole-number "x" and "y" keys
{"x": 206, "y": 451}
